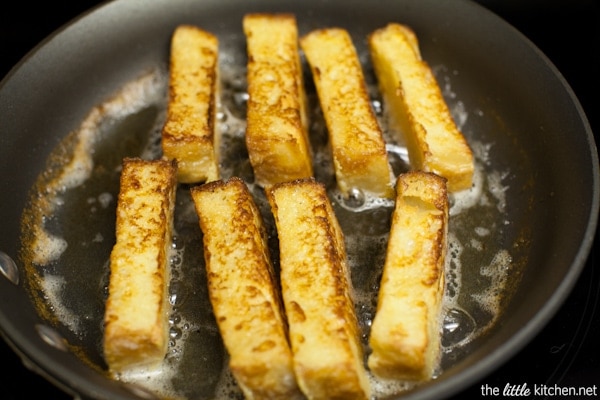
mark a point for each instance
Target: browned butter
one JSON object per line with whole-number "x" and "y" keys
{"x": 69, "y": 227}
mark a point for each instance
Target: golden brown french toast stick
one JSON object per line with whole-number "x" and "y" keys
{"x": 317, "y": 293}
{"x": 416, "y": 106}
{"x": 189, "y": 134}
{"x": 358, "y": 148}
{"x": 136, "y": 313}
{"x": 243, "y": 290}
{"x": 405, "y": 333}
{"x": 277, "y": 121}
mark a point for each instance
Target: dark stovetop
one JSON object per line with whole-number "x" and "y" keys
{"x": 567, "y": 351}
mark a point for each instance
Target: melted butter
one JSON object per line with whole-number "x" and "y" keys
{"x": 196, "y": 363}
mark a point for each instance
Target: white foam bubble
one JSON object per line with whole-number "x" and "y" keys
{"x": 105, "y": 199}
{"x": 497, "y": 270}
{"x": 465, "y": 199}
{"x": 487, "y": 189}
{"x": 47, "y": 248}
{"x": 53, "y": 286}
{"x": 359, "y": 201}
{"x": 482, "y": 231}
{"x": 383, "y": 388}
{"x": 453, "y": 270}
{"x": 130, "y": 99}
{"x": 497, "y": 189}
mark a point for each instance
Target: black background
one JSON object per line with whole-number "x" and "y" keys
{"x": 567, "y": 351}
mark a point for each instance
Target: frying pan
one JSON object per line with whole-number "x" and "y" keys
{"x": 532, "y": 117}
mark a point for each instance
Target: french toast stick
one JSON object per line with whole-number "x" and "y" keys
{"x": 405, "y": 333}
{"x": 136, "y": 314}
{"x": 317, "y": 293}
{"x": 359, "y": 155}
{"x": 243, "y": 290}
{"x": 277, "y": 120}
{"x": 416, "y": 106}
{"x": 189, "y": 134}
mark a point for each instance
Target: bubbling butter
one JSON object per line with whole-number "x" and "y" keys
{"x": 196, "y": 364}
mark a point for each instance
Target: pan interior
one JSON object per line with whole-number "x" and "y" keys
{"x": 495, "y": 249}
{"x": 74, "y": 222}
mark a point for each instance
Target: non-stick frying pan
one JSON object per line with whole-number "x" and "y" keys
{"x": 515, "y": 100}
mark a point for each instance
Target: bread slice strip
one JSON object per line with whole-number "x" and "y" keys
{"x": 243, "y": 290}
{"x": 417, "y": 108}
{"x": 405, "y": 333}
{"x": 188, "y": 134}
{"x": 358, "y": 148}
{"x": 136, "y": 314}
{"x": 317, "y": 293}
{"x": 277, "y": 120}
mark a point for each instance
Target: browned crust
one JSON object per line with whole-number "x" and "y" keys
{"x": 417, "y": 108}
{"x": 405, "y": 333}
{"x": 317, "y": 292}
{"x": 277, "y": 120}
{"x": 135, "y": 321}
{"x": 243, "y": 290}
{"x": 189, "y": 132}
{"x": 357, "y": 144}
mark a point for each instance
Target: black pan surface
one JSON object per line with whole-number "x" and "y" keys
{"x": 485, "y": 365}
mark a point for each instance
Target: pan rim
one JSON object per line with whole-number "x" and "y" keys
{"x": 504, "y": 352}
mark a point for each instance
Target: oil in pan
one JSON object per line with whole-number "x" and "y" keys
{"x": 68, "y": 233}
